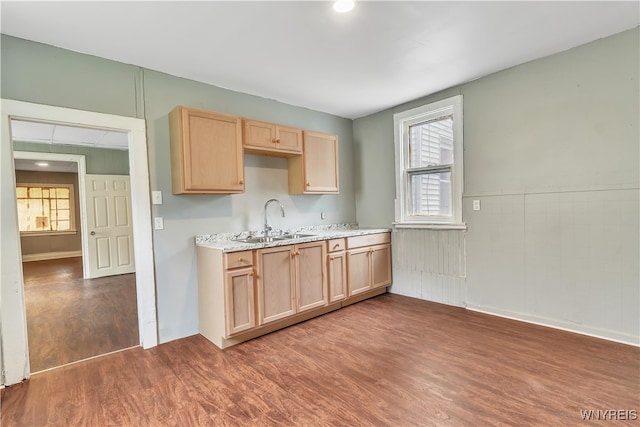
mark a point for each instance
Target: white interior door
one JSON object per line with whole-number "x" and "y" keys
{"x": 109, "y": 225}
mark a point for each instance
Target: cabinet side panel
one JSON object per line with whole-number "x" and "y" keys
{"x": 211, "y": 317}
{"x": 296, "y": 175}
{"x": 175, "y": 137}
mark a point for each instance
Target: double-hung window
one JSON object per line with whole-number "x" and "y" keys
{"x": 428, "y": 144}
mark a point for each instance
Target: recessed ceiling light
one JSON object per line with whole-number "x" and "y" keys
{"x": 43, "y": 164}
{"x": 342, "y": 6}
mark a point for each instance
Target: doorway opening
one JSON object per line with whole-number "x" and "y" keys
{"x": 14, "y": 359}
{"x": 75, "y": 227}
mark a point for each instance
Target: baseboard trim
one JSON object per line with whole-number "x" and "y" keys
{"x": 551, "y": 323}
{"x": 50, "y": 255}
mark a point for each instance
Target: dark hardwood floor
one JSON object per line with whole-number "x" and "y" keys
{"x": 388, "y": 361}
{"x": 70, "y": 318}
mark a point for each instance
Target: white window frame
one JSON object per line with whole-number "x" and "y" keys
{"x": 72, "y": 211}
{"x": 402, "y": 121}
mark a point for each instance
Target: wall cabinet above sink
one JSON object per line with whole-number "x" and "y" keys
{"x": 271, "y": 139}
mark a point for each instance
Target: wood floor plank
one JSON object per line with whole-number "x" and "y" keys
{"x": 388, "y": 361}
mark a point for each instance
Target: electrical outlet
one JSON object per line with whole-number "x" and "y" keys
{"x": 322, "y": 216}
{"x": 476, "y": 205}
{"x": 159, "y": 223}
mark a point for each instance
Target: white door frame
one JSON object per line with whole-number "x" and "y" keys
{"x": 80, "y": 160}
{"x": 14, "y": 359}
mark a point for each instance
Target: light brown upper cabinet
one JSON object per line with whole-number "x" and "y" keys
{"x": 316, "y": 171}
{"x": 271, "y": 139}
{"x": 206, "y": 152}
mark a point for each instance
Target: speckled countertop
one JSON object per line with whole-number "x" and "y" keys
{"x": 228, "y": 242}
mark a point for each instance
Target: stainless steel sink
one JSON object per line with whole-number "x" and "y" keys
{"x": 296, "y": 236}
{"x": 261, "y": 239}
{"x": 275, "y": 238}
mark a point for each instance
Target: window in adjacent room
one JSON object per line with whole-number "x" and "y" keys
{"x": 45, "y": 208}
{"x": 428, "y": 142}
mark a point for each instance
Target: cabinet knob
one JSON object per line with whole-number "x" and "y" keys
{"x": 337, "y": 245}
{"x": 308, "y": 185}
{"x": 240, "y": 259}
{"x": 241, "y": 182}
{"x": 251, "y": 274}
{"x": 278, "y": 141}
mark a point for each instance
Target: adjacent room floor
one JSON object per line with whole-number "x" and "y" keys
{"x": 70, "y": 318}
{"x": 387, "y": 361}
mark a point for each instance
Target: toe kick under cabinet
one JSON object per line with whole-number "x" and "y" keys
{"x": 245, "y": 294}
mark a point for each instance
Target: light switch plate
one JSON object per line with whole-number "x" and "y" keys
{"x": 476, "y": 205}
{"x": 156, "y": 197}
{"x": 158, "y": 223}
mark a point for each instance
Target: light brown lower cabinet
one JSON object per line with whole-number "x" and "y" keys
{"x": 368, "y": 262}
{"x": 337, "y": 270}
{"x": 239, "y": 301}
{"x": 245, "y": 294}
{"x": 290, "y": 279}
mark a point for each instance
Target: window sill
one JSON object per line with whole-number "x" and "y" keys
{"x": 46, "y": 233}
{"x": 461, "y": 226}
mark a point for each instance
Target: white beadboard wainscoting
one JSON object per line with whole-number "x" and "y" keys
{"x": 430, "y": 264}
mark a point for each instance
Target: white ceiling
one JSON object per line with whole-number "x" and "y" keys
{"x": 46, "y": 133}
{"x": 303, "y": 53}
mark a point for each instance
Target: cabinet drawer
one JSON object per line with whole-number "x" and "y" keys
{"x": 368, "y": 240}
{"x": 238, "y": 259}
{"x": 335, "y": 245}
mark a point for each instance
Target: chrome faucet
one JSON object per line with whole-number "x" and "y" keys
{"x": 267, "y": 227}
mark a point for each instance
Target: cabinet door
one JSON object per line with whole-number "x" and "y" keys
{"x": 276, "y": 286}
{"x": 381, "y": 266}
{"x": 239, "y": 301}
{"x": 311, "y": 278}
{"x": 289, "y": 139}
{"x": 358, "y": 270}
{"x": 337, "y": 266}
{"x": 206, "y": 152}
{"x": 320, "y": 162}
{"x": 259, "y": 134}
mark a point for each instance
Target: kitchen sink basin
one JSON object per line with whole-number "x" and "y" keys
{"x": 262, "y": 239}
{"x": 275, "y": 238}
{"x": 296, "y": 236}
